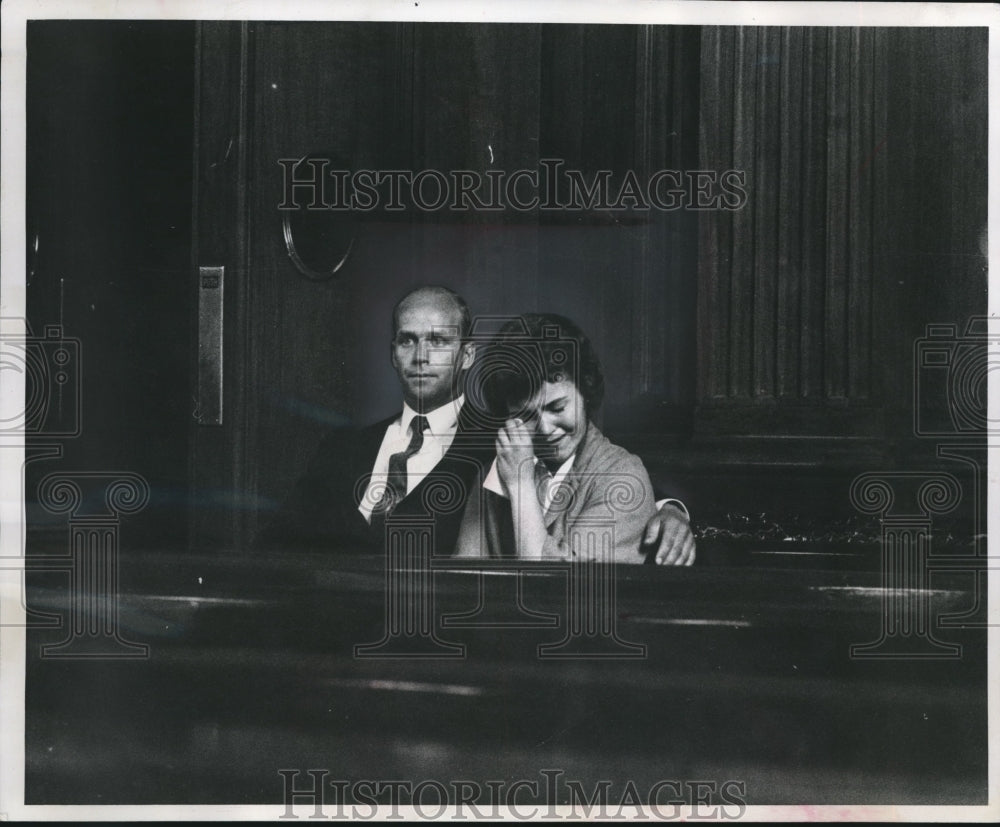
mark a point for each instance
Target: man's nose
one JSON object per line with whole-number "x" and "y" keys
{"x": 421, "y": 351}
{"x": 546, "y": 425}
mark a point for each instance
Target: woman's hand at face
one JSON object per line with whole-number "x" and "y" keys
{"x": 515, "y": 454}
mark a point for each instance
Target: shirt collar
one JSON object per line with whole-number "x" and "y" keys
{"x": 492, "y": 481}
{"x": 563, "y": 469}
{"x": 441, "y": 420}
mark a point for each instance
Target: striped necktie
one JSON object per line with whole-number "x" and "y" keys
{"x": 395, "y": 484}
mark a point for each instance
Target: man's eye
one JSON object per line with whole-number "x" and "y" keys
{"x": 404, "y": 341}
{"x": 439, "y": 341}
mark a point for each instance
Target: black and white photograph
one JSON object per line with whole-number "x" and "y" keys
{"x": 498, "y": 411}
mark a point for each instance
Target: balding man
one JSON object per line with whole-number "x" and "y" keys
{"x": 359, "y": 477}
{"x": 419, "y": 461}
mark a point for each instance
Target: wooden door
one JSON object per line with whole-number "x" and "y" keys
{"x": 302, "y": 355}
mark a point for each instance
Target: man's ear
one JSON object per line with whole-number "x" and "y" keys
{"x": 468, "y": 355}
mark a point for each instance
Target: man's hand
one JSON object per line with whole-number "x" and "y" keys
{"x": 670, "y": 526}
{"x": 515, "y": 455}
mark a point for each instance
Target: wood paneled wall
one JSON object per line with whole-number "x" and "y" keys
{"x": 308, "y": 355}
{"x": 798, "y": 301}
{"x": 787, "y": 296}
{"x": 865, "y": 153}
{"x": 864, "y": 159}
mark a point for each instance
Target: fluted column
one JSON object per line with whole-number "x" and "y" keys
{"x": 94, "y": 502}
{"x": 907, "y": 619}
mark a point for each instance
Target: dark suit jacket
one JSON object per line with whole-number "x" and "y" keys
{"x": 322, "y": 510}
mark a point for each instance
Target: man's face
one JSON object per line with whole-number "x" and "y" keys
{"x": 427, "y": 351}
{"x": 557, "y": 420}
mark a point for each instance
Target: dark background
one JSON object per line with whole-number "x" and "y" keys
{"x": 109, "y": 136}
{"x": 757, "y": 360}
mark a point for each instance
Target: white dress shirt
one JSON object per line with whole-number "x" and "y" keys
{"x": 442, "y": 425}
{"x": 494, "y": 484}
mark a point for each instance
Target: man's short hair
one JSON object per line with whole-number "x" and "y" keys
{"x": 465, "y": 320}
{"x": 538, "y": 347}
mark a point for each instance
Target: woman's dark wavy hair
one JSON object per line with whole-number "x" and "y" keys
{"x": 536, "y": 348}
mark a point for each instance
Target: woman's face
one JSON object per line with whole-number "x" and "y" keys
{"x": 557, "y": 420}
